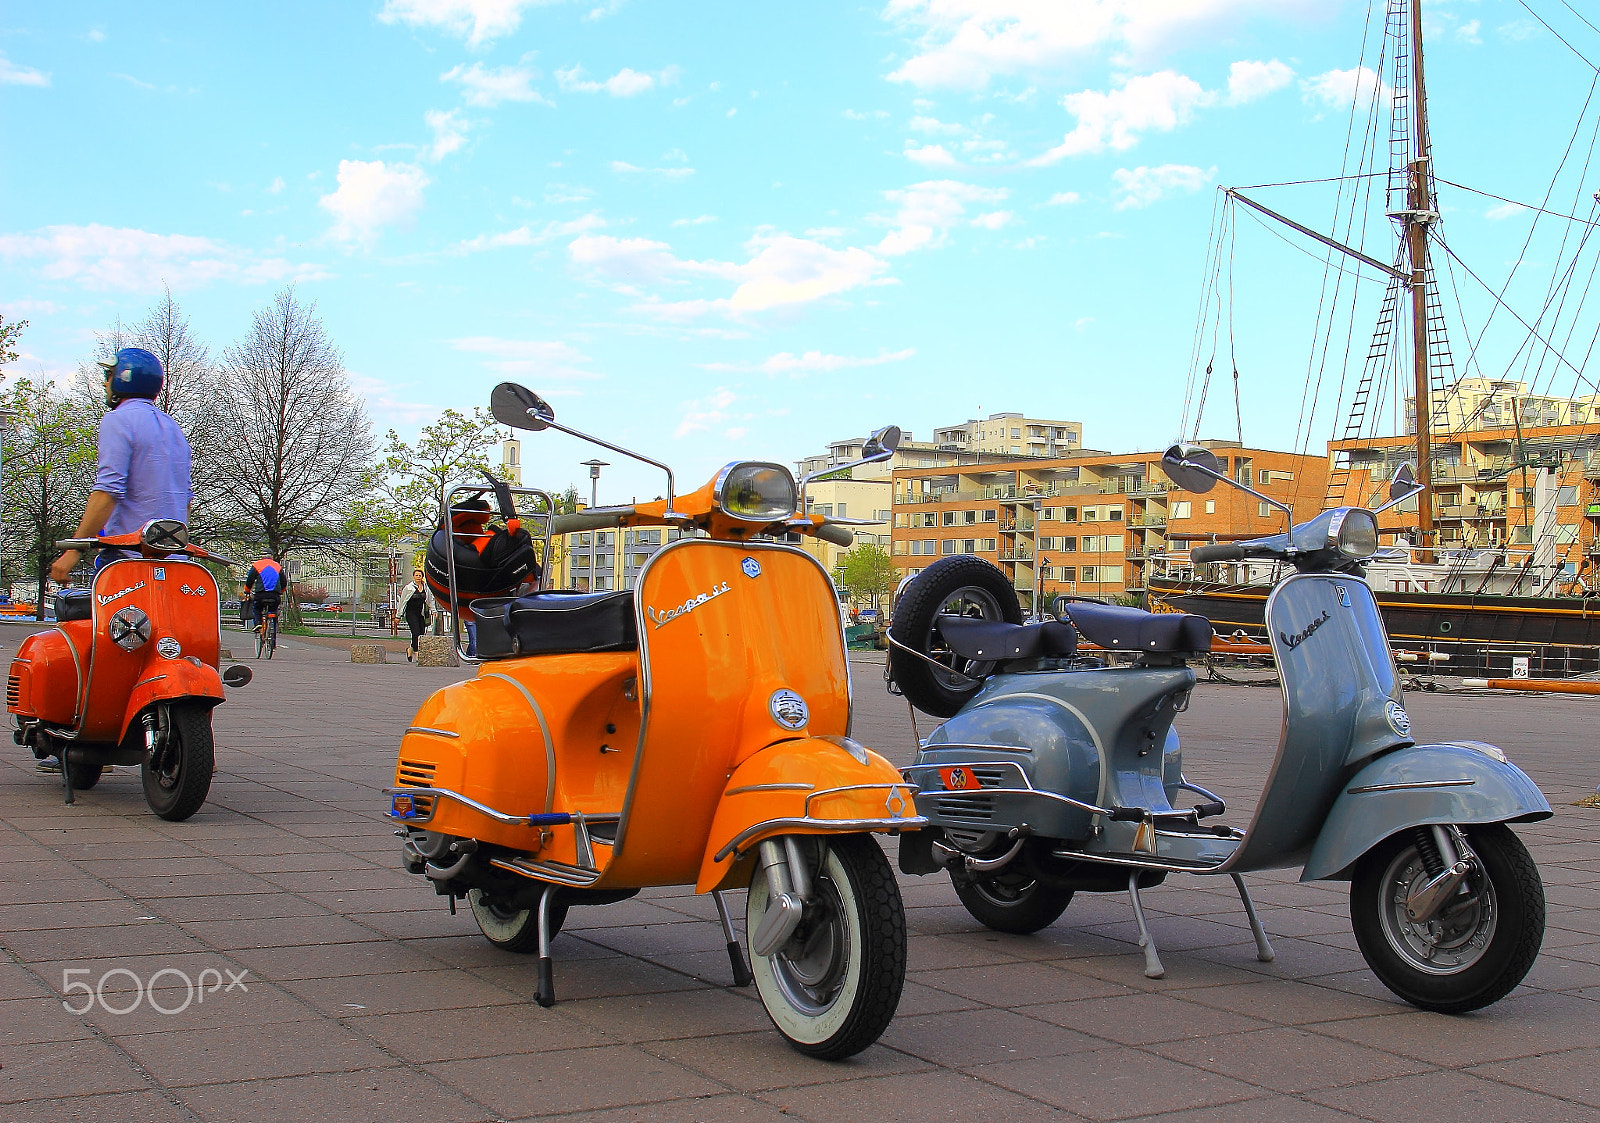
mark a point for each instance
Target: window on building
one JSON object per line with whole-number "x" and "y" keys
{"x": 1566, "y": 496}
{"x": 1263, "y": 509}
{"x": 986, "y": 545}
{"x": 1091, "y": 543}
{"x": 1211, "y": 506}
{"x": 1522, "y": 535}
{"x": 923, "y": 546}
{"x": 1090, "y": 573}
{"x": 949, "y": 518}
{"x": 1180, "y": 509}
{"x": 989, "y": 515}
{"x": 1016, "y": 435}
{"x": 930, "y": 518}
{"x": 969, "y": 545}
{"x": 948, "y": 546}
{"x": 1114, "y": 514}
{"x": 1067, "y": 572}
{"x": 1069, "y": 545}
{"x": 882, "y": 516}
{"x": 969, "y": 518}
{"x": 899, "y": 520}
{"x": 899, "y": 547}
{"x": 1566, "y": 535}
{"x": 1069, "y": 514}
{"x": 1113, "y": 542}
{"x": 1016, "y": 450}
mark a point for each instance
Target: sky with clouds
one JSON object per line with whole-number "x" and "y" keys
{"x": 717, "y": 230}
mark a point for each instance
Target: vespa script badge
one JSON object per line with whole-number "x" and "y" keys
{"x": 788, "y": 709}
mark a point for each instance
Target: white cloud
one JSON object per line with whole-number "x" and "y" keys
{"x": 488, "y": 87}
{"x": 865, "y": 115}
{"x": 930, "y": 155}
{"x": 1248, "y": 80}
{"x": 567, "y": 193}
{"x": 994, "y": 220}
{"x": 811, "y": 362}
{"x": 928, "y": 210}
{"x": 1503, "y": 212}
{"x": 1338, "y": 89}
{"x": 624, "y": 83}
{"x": 384, "y": 404}
{"x": 1517, "y": 30}
{"x": 276, "y": 186}
{"x": 1116, "y": 118}
{"x": 1469, "y": 32}
{"x": 449, "y": 132}
{"x": 529, "y": 235}
{"x": 96, "y": 35}
{"x": 372, "y": 195}
{"x": 1142, "y": 186}
{"x": 935, "y": 127}
{"x": 622, "y": 167}
{"x": 1064, "y": 199}
{"x": 963, "y": 44}
{"x": 17, "y": 309}
{"x": 110, "y": 258}
{"x": 13, "y": 75}
{"x": 706, "y": 413}
{"x": 699, "y": 220}
{"x": 478, "y": 21}
{"x": 531, "y": 358}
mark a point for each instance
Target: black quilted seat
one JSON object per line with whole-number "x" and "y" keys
{"x": 555, "y": 622}
{"x": 994, "y": 640}
{"x": 74, "y": 604}
{"x": 1118, "y": 628}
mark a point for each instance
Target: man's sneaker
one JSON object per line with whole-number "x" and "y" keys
{"x": 48, "y": 764}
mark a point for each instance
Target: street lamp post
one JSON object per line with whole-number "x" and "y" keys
{"x": 594, "y": 467}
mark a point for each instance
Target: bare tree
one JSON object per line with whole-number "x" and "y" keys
{"x": 296, "y": 446}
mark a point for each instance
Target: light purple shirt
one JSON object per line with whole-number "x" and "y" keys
{"x": 144, "y": 466}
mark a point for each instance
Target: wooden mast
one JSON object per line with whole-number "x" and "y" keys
{"x": 1419, "y": 217}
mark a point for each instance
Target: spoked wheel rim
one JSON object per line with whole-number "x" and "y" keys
{"x": 811, "y": 968}
{"x": 1456, "y": 938}
{"x": 971, "y": 603}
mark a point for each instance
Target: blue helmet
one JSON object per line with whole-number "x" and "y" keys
{"x": 135, "y": 373}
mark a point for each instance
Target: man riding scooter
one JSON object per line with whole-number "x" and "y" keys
{"x": 143, "y": 471}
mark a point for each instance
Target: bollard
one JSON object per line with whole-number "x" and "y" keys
{"x": 367, "y": 653}
{"x": 437, "y": 651}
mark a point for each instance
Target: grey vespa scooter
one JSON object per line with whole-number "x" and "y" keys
{"x": 1056, "y": 773}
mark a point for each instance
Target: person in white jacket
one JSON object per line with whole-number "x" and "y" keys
{"x": 417, "y": 604}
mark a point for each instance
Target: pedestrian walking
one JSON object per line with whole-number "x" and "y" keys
{"x": 414, "y": 598}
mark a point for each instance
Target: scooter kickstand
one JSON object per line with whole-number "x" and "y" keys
{"x": 741, "y": 970}
{"x": 1152, "y": 961}
{"x": 1263, "y": 946}
{"x": 546, "y": 994}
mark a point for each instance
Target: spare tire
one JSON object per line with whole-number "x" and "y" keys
{"x": 962, "y": 585}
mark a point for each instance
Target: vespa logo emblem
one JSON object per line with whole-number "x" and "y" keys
{"x": 788, "y": 709}
{"x": 159, "y": 573}
{"x": 751, "y": 567}
{"x": 1344, "y": 595}
{"x": 1399, "y": 720}
{"x": 1294, "y": 641}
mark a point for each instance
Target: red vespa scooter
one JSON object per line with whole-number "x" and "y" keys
{"x": 129, "y": 673}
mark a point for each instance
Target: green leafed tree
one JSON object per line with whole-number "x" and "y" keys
{"x": 868, "y": 573}
{"x": 9, "y": 334}
{"x": 412, "y": 476}
{"x": 50, "y": 454}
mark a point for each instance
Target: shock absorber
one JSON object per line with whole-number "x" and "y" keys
{"x": 150, "y": 728}
{"x": 1432, "y": 860}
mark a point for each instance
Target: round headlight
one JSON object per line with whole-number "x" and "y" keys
{"x": 1358, "y": 534}
{"x": 129, "y": 628}
{"x": 758, "y": 493}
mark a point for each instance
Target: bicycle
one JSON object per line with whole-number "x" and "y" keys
{"x": 267, "y": 632}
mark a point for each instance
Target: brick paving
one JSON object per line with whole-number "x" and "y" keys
{"x": 367, "y": 1000}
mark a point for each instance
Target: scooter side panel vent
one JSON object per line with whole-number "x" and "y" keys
{"x": 994, "y": 777}
{"x": 965, "y": 808}
{"x": 13, "y": 691}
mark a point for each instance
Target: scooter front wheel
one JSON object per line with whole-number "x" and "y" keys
{"x": 1480, "y": 944}
{"x": 1010, "y": 902}
{"x": 177, "y": 776}
{"x": 832, "y": 988}
{"x": 513, "y": 929}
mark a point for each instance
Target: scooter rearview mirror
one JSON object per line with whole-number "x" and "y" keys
{"x": 1191, "y": 467}
{"x": 519, "y": 407}
{"x": 882, "y": 444}
{"x": 1404, "y": 483}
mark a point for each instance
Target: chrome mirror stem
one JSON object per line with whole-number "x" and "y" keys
{"x": 669, "y": 513}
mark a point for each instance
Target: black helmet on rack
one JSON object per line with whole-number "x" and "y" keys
{"x": 490, "y": 560}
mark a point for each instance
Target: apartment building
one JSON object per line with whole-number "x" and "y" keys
{"x": 1538, "y": 489}
{"x": 1012, "y": 434}
{"x": 1088, "y": 523}
{"x": 849, "y": 498}
{"x": 1491, "y": 404}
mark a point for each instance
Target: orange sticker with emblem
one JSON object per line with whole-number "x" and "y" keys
{"x": 959, "y": 780}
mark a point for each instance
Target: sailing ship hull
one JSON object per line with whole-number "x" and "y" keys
{"x": 1560, "y": 634}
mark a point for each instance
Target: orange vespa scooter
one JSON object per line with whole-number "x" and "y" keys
{"x": 129, "y": 673}
{"x": 693, "y": 730}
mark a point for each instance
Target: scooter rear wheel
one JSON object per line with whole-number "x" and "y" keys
{"x": 512, "y": 929}
{"x": 832, "y": 989}
{"x": 1480, "y": 945}
{"x": 178, "y": 779}
{"x": 1011, "y": 902}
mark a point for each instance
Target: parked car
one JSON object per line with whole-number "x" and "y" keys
{"x": 332, "y": 606}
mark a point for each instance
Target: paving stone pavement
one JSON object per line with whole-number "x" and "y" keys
{"x": 361, "y": 998}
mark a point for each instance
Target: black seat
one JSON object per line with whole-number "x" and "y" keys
{"x": 994, "y": 640}
{"x": 74, "y": 604}
{"x": 555, "y": 622}
{"x": 1118, "y": 628}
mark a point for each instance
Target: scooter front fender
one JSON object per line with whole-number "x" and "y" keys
{"x": 1456, "y": 782}
{"x": 816, "y": 785}
{"x": 168, "y": 680}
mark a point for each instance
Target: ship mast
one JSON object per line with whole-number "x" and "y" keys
{"x": 1416, "y": 220}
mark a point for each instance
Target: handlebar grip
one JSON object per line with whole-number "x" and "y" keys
{"x": 838, "y": 535}
{"x": 583, "y": 520}
{"x": 1206, "y": 810}
{"x": 77, "y": 543}
{"x": 1127, "y": 815}
{"x": 1222, "y": 551}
